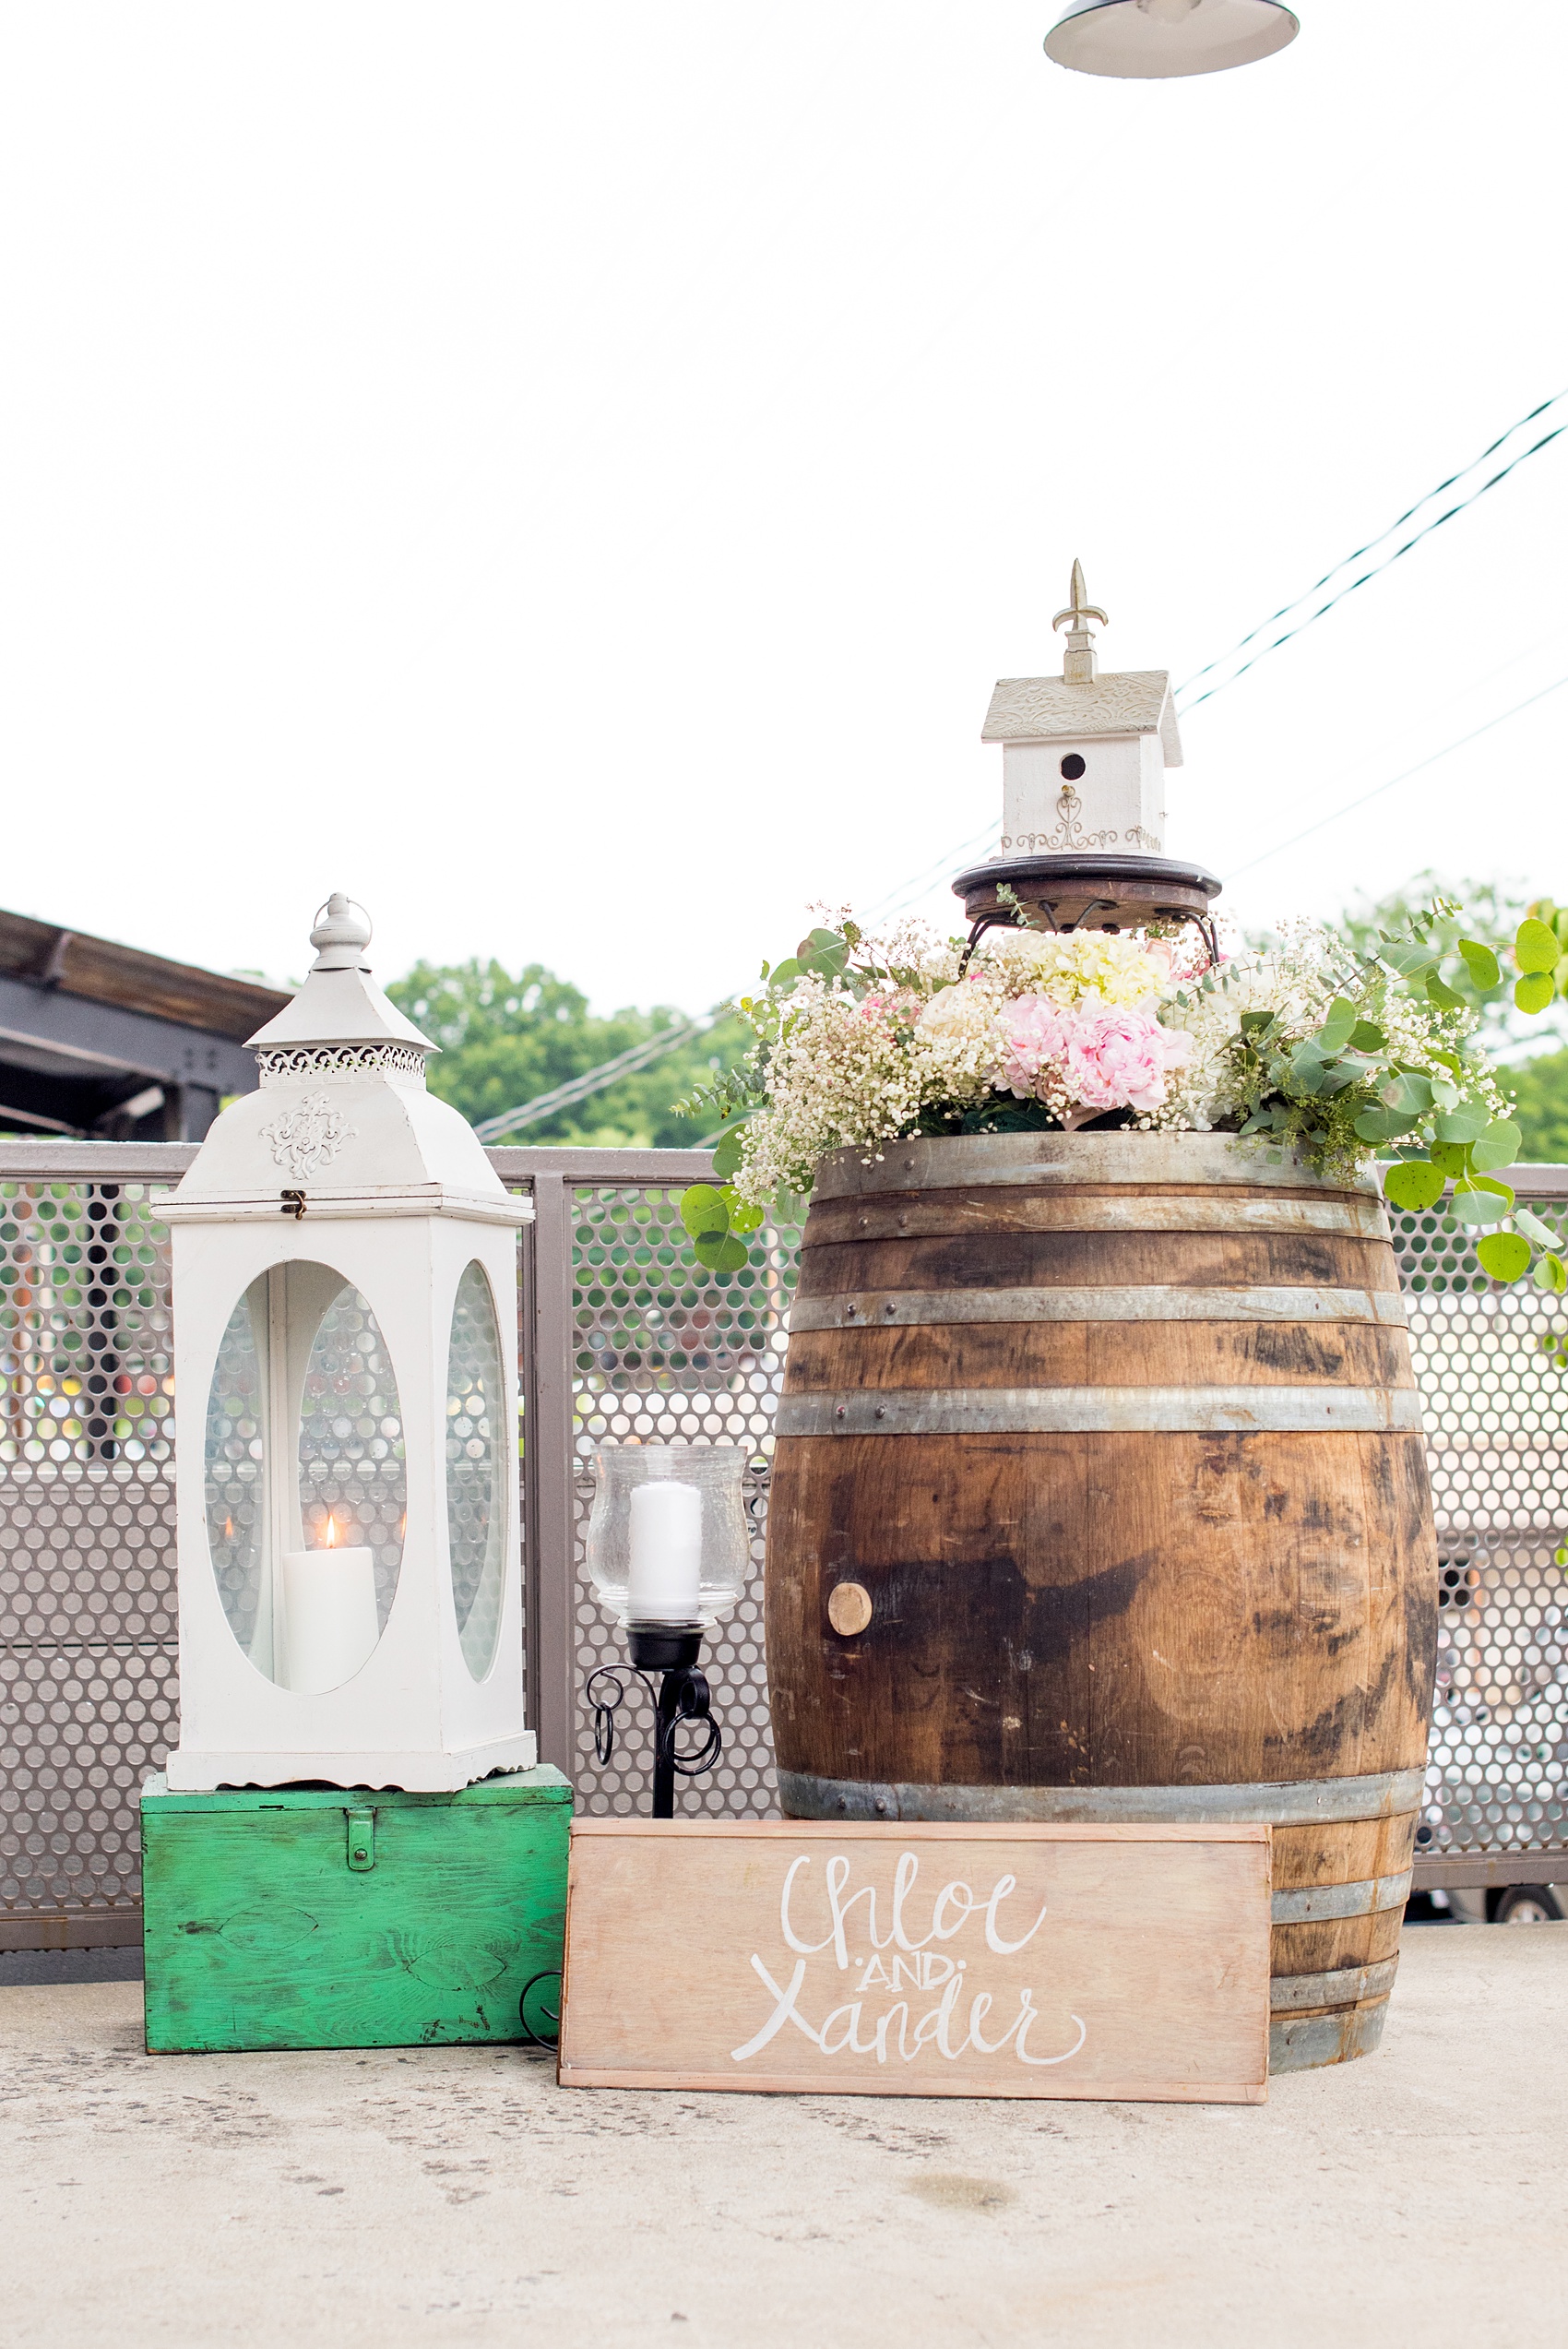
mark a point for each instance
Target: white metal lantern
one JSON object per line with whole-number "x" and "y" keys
{"x": 345, "y": 1358}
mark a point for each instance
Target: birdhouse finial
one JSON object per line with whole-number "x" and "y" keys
{"x": 1079, "y": 666}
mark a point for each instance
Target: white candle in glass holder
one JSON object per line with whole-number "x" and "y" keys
{"x": 664, "y": 1584}
{"x": 330, "y": 1622}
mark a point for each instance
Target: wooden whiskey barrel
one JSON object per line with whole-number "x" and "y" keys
{"x": 1099, "y": 1493}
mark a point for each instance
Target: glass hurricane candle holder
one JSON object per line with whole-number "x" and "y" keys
{"x": 668, "y": 1548}
{"x": 668, "y": 1541}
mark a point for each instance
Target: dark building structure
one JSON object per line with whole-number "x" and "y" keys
{"x": 100, "y": 1041}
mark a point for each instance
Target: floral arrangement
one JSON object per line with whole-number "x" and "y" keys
{"x": 861, "y": 1041}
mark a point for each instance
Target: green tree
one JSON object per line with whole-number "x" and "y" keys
{"x": 1539, "y": 1088}
{"x": 504, "y": 1040}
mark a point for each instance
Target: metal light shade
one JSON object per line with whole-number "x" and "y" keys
{"x": 1157, "y": 39}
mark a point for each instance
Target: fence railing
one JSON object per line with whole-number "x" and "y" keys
{"x": 622, "y": 1338}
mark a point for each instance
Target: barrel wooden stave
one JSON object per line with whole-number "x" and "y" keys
{"x": 1108, "y": 1582}
{"x": 1102, "y": 1353}
{"x": 1358, "y": 1851}
{"x": 1109, "y": 1259}
{"x": 1116, "y": 1609}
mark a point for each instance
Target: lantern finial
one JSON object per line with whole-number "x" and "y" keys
{"x": 1079, "y": 666}
{"x": 342, "y": 936}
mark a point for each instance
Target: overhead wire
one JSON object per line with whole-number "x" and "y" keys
{"x": 1377, "y": 569}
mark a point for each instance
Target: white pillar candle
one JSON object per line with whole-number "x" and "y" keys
{"x": 330, "y": 1624}
{"x": 664, "y": 1584}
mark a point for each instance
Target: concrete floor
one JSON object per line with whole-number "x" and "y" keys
{"x": 459, "y": 2196}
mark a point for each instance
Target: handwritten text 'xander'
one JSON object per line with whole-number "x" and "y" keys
{"x": 914, "y": 1964}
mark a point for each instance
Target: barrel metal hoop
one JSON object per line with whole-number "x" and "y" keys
{"x": 1228, "y": 1217}
{"x": 1343, "y": 1986}
{"x": 1288, "y": 1803}
{"x": 942, "y": 1309}
{"x": 1311, "y": 1903}
{"x": 1084, "y": 1411}
{"x": 960, "y": 1162}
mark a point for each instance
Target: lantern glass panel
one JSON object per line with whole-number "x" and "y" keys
{"x": 477, "y": 1469}
{"x": 236, "y": 1475}
{"x": 304, "y": 1455}
{"x": 353, "y": 1477}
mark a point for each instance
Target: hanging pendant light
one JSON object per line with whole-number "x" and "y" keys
{"x": 1157, "y": 39}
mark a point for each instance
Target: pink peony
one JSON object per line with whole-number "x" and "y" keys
{"x": 1037, "y": 1033}
{"x": 1117, "y": 1059}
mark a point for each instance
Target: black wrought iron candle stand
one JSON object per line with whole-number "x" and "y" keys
{"x": 671, "y": 1650}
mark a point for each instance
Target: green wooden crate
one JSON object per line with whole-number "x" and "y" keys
{"x": 323, "y": 1917}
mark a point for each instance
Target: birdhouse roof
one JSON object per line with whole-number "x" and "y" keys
{"x": 1132, "y": 701}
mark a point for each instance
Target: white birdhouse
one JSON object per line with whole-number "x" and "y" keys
{"x": 1084, "y": 756}
{"x": 345, "y": 1354}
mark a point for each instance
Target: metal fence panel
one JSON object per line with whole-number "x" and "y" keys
{"x": 623, "y": 1341}
{"x": 1494, "y": 1391}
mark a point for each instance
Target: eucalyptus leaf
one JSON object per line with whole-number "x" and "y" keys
{"x": 1382, "y": 1125}
{"x": 1534, "y": 1229}
{"x": 743, "y": 1215}
{"x": 1504, "y": 1255}
{"x": 1480, "y": 962}
{"x": 721, "y": 1251}
{"x": 1481, "y": 1207}
{"x": 1443, "y": 995}
{"x": 1499, "y": 1146}
{"x": 1451, "y": 1158}
{"x": 786, "y": 975}
{"x": 1552, "y": 1274}
{"x": 703, "y": 1211}
{"x": 1536, "y": 947}
{"x": 1467, "y": 1125}
{"x": 1308, "y": 1067}
{"x": 1365, "y": 1036}
{"x": 1407, "y": 1096}
{"x": 1533, "y": 991}
{"x": 727, "y": 1151}
{"x": 1409, "y": 960}
{"x": 1413, "y": 1185}
{"x": 1339, "y": 1027}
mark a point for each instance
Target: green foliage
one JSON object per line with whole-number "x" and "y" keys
{"x": 1342, "y": 1080}
{"x": 505, "y": 1040}
{"x": 1475, "y": 921}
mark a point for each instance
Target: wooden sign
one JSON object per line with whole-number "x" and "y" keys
{"x": 917, "y": 1961}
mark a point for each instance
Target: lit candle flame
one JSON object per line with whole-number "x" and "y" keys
{"x": 331, "y": 1530}
{"x": 228, "y": 1529}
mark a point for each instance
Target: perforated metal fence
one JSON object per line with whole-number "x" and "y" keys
{"x": 623, "y": 1341}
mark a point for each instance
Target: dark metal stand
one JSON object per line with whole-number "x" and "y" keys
{"x": 1088, "y": 891}
{"x": 672, "y": 1650}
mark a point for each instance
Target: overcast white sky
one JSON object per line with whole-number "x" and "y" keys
{"x": 570, "y": 474}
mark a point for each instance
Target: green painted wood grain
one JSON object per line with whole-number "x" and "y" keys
{"x": 259, "y": 1934}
